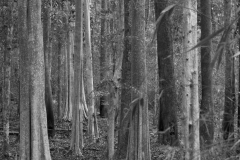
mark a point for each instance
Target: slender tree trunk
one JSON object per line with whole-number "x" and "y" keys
{"x": 68, "y": 71}
{"x": 7, "y": 44}
{"x": 206, "y": 120}
{"x": 138, "y": 146}
{"x": 229, "y": 108}
{"x": 190, "y": 80}
{"x": 167, "y": 114}
{"x": 48, "y": 87}
{"x": 59, "y": 80}
{"x": 126, "y": 83}
{"x": 103, "y": 55}
{"x": 33, "y": 120}
{"x": 77, "y": 127}
{"x": 89, "y": 74}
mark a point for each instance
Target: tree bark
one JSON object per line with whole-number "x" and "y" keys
{"x": 48, "y": 87}
{"x": 229, "y": 108}
{"x": 190, "y": 82}
{"x": 77, "y": 127}
{"x": 33, "y": 120}
{"x": 103, "y": 55}
{"x": 7, "y": 31}
{"x": 126, "y": 83}
{"x": 206, "y": 114}
{"x": 89, "y": 75}
{"x": 138, "y": 146}
{"x": 167, "y": 112}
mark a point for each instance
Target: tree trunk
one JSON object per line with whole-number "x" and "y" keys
{"x": 89, "y": 75}
{"x": 77, "y": 127}
{"x": 33, "y": 120}
{"x": 126, "y": 83}
{"x": 48, "y": 87}
{"x": 167, "y": 114}
{"x": 138, "y": 146}
{"x": 69, "y": 70}
{"x": 7, "y": 31}
{"x": 206, "y": 120}
{"x": 59, "y": 79}
{"x": 229, "y": 108}
{"x": 190, "y": 80}
{"x": 103, "y": 55}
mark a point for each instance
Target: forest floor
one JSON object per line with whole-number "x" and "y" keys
{"x": 59, "y": 144}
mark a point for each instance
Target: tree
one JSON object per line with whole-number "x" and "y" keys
{"x": 167, "y": 112}
{"x": 190, "y": 82}
{"x": 229, "y": 107}
{"x": 77, "y": 127}
{"x": 89, "y": 76}
{"x": 47, "y": 50}
{"x": 206, "y": 119}
{"x": 103, "y": 54}
{"x": 138, "y": 144}
{"x": 33, "y": 120}
{"x": 7, "y": 31}
{"x": 126, "y": 83}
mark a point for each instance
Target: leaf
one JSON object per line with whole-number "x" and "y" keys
{"x": 221, "y": 47}
{"x": 237, "y": 54}
{"x": 159, "y": 20}
{"x": 207, "y": 39}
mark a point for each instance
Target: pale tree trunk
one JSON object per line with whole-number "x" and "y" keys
{"x": 77, "y": 127}
{"x": 114, "y": 88}
{"x": 190, "y": 81}
{"x": 229, "y": 107}
{"x": 7, "y": 43}
{"x": 206, "y": 120}
{"x": 48, "y": 87}
{"x": 59, "y": 79}
{"x": 89, "y": 76}
{"x": 33, "y": 120}
{"x": 139, "y": 143}
{"x": 69, "y": 69}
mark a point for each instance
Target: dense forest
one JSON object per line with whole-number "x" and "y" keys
{"x": 119, "y": 79}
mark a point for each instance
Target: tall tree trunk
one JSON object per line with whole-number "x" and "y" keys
{"x": 77, "y": 127}
{"x": 48, "y": 87}
{"x": 138, "y": 146}
{"x": 190, "y": 80}
{"x": 167, "y": 114}
{"x": 68, "y": 67}
{"x": 206, "y": 119}
{"x": 89, "y": 75}
{"x": 59, "y": 50}
{"x": 126, "y": 83}
{"x": 7, "y": 31}
{"x": 33, "y": 120}
{"x": 229, "y": 108}
{"x": 103, "y": 55}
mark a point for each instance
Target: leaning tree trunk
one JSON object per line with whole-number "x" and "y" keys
{"x": 229, "y": 108}
{"x": 77, "y": 127}
{"x": 33, "y": 120}
{"x": 190, "y": 80}
{"x": 206, "y": 120}
{"x": 167, "y": 114}
{"x": 48, "y": 87}
{"x": 7, "y": 31}
{"x": 138, "y": 146}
